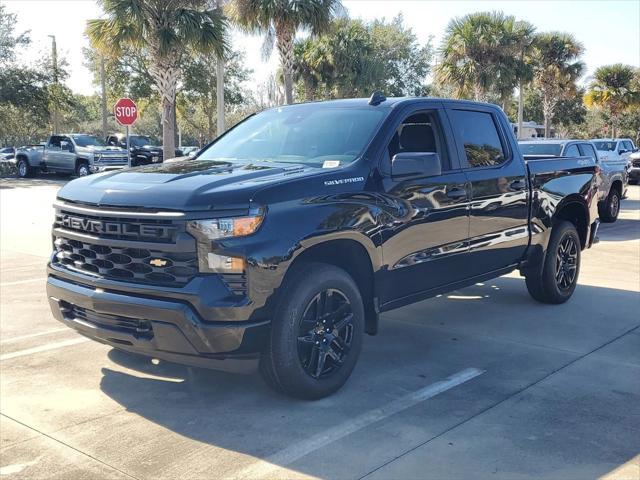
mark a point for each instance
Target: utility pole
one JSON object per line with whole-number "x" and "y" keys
{"x": 54, "y": 63}
{"x": 104, "y": 98}
{"x": 220, "y": 88}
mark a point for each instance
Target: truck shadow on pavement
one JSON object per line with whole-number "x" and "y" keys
{"x": 493, "y": 326}
{"x": 50, "y": 179}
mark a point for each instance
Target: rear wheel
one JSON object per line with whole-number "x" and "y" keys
{"x": 24, "y": 170}
{"x": 557, "y": 278}
{"x": 611, "y": 207}
{"x": 316, "y": 333}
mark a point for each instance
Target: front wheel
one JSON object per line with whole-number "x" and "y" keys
{"x": 82, "y": 170}
{"x": 611, "y": 207}
{"x": 316, "y": 333}
{"x": 556, "y": 279}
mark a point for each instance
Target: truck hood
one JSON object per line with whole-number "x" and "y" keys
{"x": 188, "y": 185}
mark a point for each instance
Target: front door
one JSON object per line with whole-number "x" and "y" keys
{"x": 499, "y": 217}
{"x": 425, "y": 219}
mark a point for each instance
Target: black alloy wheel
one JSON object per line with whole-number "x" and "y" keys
{"x": 566, "y": 262}
{"x": 325, "y": 333}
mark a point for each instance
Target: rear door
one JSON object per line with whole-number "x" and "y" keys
{"x": 425, "y": 219}
{"x": 498, "y": 226}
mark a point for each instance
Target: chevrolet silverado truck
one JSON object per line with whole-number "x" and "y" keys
{"x": 280, "y": 244}
{"x": 75, "y": 154}
{"x": 144, "y": 150}
{"x": 613, "y": 174}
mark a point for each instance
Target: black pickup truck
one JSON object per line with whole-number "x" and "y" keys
{"x": 281, "y": 243}
{"x": 143, "y": 149}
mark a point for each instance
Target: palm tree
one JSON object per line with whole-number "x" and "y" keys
{"x": 164, "y": 31}
{"x": 280, "y": 20}
{"x": 613, "y": 89}
{"x": 474, "y": 53}
{"x": 556, "y": 68}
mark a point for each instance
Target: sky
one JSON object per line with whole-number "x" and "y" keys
{"x": 609, "y": 30}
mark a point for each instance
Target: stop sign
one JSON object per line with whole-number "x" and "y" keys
{"x": 125, "y": 111}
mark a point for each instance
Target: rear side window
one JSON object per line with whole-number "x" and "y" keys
{"x": 588, "y": 151}
{"x": 479, "y": 135}
{"x": 572, "y": 151}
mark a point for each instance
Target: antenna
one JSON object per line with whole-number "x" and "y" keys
{"x": 377, "y": 98}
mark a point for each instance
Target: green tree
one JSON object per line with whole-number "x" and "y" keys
{"x": 280, "y": 20}
{"x": 9, "y": 40}
{"x": 556, "y": 68}
{"x": 354, "y": 58}
{"x": 198, "y": 101}
{"x": 476, "y": 50}
{"x": 614, "y": 90}
{"x": 164, "y": 31}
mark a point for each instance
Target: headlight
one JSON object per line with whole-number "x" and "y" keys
{"x": 208, "y": 231}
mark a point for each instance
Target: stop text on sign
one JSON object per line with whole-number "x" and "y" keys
{"x": 125, "y": 111}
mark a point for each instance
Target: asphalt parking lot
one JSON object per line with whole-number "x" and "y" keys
{"x": 480, "y": 383}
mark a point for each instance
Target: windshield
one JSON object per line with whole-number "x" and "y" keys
{"x": 141, "y": 141}
{"x": 88, "y": 141}
{"x": 606, "y": 146}
{"x": 313, "y": 134}
{"x": 552, "y": 149}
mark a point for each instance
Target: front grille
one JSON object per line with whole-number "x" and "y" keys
{"x": 236, "y": 283}
{"x": 133, "y": 326}
{"x": 103, "y": 160}
{"x": 126, "y": 264}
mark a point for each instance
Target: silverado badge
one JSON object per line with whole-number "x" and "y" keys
{"x": 158, "y": 262}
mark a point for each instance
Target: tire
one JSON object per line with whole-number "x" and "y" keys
{"x": 82, "y": 169}
{"x": 610, "y": 208}
{"x": 547, "y": 284}
{"x": 299, "y": 339}
{"x": 24, "y": 170}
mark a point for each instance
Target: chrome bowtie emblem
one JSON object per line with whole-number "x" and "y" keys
{"x": 158, "y": 262}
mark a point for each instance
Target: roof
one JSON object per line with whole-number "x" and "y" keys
{"x": 390, "y": 102}
{"x": 610, "y": 139}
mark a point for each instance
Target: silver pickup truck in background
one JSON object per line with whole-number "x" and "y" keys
{"x": 75, "y": 154}
{"x": 612, "y": 175}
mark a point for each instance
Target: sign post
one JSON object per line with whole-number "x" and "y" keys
{"x": 126, "y": 113}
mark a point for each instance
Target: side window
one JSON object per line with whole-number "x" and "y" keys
{"x": 628, "y": 146}
{"x": 479, "y": 135}
{"x": 588, "y": 151}
{"x": 571, "y": 151}
{"x": 55, "y": 142}
{"x": 419, "y": 132}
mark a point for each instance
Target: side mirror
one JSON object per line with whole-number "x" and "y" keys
{"x": 415, "y": 164}
{"x": 621, "y": 151}
{"x": 113, "y": 143}
{"x": 65, "y": 146}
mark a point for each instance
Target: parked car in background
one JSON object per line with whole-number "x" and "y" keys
{"x": 614, "y": 148}
{"x": 612, "y": 175}
{"x": 7, "y": 153}
{"x": 189, "y": 151}
{"x": 634, "y": 168}
{"x": 144, "y": 149}
{"x": 282, "y": 241}
{"x": 75, "y": 153}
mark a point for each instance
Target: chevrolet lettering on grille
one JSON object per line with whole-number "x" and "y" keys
{"x": 114, "y": 228}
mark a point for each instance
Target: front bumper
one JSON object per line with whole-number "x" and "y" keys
{"x": 158, "y": 327}
{"x": 634, "y": 173}
{"x": 106, "y": 168}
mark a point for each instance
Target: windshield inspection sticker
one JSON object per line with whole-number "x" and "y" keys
{"x": 331, "y": 164}
{"x": 342, "y": 181}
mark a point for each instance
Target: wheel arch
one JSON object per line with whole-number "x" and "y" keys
{"x": 353, "y": 257}
{"x": 575, "y": 211}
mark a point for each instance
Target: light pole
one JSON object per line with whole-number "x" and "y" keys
{"x": 54, "y": 104}
{"x": 104, "y": 98}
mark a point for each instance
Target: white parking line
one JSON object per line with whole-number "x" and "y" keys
{"x": 19, "y": 282}
{"x": 43, "y": 348}
{"x": 267, "y": 467}
{"x": 31, "y": 335}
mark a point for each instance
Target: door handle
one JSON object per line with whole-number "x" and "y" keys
{"x": 457, "y": 193}
{"x": 517, "y": 185}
